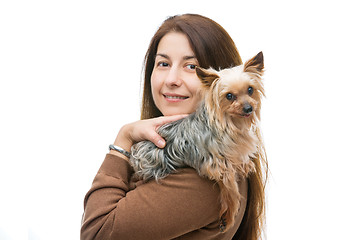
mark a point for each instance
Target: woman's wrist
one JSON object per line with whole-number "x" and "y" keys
{"x": 116, "y": 153}
{"x": 123, "y": 145}
{"x": 120, "y": 150}
{"x": 123, "y": 138}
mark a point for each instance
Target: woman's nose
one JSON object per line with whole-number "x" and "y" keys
{"x": 173, "y": 78}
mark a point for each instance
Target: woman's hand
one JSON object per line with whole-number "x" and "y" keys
{"x": 142, "y": 130}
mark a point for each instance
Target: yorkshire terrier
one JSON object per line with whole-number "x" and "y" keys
{"x": 219, "y": 140}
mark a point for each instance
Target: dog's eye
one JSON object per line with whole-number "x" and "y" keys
{"x": 250, "y": 91}
{"x": 230, "y": 96}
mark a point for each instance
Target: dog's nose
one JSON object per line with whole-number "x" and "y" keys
{"x": 247, "y": 109}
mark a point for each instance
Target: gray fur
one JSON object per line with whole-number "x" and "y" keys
{"x": 188, "y": 143}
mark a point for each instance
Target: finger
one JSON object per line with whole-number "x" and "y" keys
{"x": 168, "y": 119}
{"x": 157, "y": 140}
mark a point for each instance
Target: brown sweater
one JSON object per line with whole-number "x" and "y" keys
{"x": 181, "y": 206}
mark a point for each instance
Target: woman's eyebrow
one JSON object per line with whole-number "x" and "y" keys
{"x": 167, "y": 57}
{"x": 162, "y": 55}
{"x": 189, "y": 57}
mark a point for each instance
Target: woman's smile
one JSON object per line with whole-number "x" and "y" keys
{"x": 171, "y": 97}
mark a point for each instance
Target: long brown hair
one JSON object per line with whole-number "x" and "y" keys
{"x": 213, "y": 47}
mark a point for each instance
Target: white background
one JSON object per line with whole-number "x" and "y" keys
{"x": 70, "y": 75}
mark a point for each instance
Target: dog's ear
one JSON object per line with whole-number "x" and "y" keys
{"x": 255, "y": 65}
{"x": 206, "y": 76}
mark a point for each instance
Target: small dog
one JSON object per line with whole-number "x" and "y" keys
{"x": 219, "y": 140}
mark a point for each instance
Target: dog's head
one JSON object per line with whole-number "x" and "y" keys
{"x": 236, "y": 92}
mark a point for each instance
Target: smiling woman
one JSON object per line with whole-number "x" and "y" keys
{"x": 184, "y": 205}
{"x": 174, "y": 83}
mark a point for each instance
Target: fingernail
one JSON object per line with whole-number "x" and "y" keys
{"x": 161, "y": 143}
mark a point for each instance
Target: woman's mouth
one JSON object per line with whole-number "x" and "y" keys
{"x": 174, "y": 98}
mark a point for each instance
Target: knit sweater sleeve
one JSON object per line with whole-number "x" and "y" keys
{"x": 179, "y": 204}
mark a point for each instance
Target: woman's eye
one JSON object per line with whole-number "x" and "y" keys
{"x": 250, "y": 91}
{"x": 230, "y": 96}
{"x": 163, "y": 64}
{"x": 191, "y": 66}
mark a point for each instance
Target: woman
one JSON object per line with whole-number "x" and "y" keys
{"x": 183, "y": 205}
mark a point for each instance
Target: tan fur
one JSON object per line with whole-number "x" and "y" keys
{"x": 241, "y": 134}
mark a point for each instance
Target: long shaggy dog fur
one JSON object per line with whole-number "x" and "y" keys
{"x": 218, "y": 140}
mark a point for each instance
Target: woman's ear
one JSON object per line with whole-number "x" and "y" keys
{"x": 206, "y": 76}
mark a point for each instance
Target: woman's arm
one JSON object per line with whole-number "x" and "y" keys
{"x": 178, "y": 204}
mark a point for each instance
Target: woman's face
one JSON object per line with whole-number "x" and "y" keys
{"x": 174, "y": 83}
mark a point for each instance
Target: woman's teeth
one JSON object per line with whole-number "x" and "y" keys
{"x": 176, "y": 97}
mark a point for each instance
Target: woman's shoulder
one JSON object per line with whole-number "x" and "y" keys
{"x": 187, "y": 187}
{"x": 189, "y": 178}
